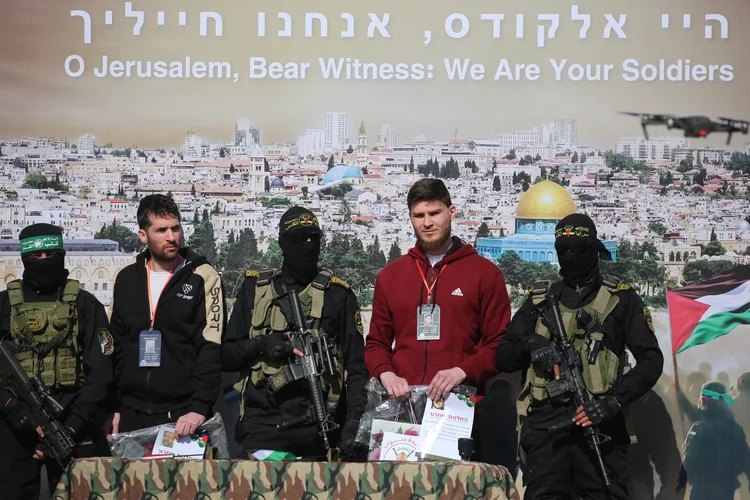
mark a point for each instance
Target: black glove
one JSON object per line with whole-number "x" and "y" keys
{"x": 351, "y": 450}
{"x": 536, "y": 342}
{"x": 601, "y": 410}
{"x": 543, "y": 354}
{"x": 275, "y": 346}
{"x": 18, "y": 415}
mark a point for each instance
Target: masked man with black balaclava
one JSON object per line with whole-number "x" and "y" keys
{"x": 59, "y": 333}
{"x": 602, "y": 316}
{"x": 258, "y": 345}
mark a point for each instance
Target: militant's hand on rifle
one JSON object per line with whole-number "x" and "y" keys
{"x": 314, "y": 352}
{"x": 26, "y": 403}
{"x": 594, "y": 412}
{"x": 277, "y": 347}
{"x": 572, "y": 380}
{"x": 544, "y": 354}
{"x": 20, "y": 418}
{"x": 273, "y": 347}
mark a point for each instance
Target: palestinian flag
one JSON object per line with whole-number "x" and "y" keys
{"x": 702, "y": 312}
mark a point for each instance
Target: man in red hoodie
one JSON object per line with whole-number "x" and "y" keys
{"x": 445, "y": 306}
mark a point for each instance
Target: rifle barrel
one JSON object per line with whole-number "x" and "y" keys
{"x": 314, "y": 389}
{"x": 57, "y": 438}
{"x": 573, "y": 362}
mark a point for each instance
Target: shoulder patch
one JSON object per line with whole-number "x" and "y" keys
{"x": 649, "y": 320}
{"x": 623, "y": 286}
{"x": 251, "y": 273}
{"x": 358, "y": 322}
{"x": 339, "y": 281}
{"x": 106, "y": 342}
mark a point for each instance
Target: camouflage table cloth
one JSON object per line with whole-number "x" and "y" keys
{"x": 240, "y": 479}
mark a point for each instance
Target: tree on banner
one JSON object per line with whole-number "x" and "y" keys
{"x": 704, "y": 311}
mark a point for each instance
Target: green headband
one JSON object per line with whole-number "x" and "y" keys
{"x": 717, "y": 396}
{"x": 40, "y": 243}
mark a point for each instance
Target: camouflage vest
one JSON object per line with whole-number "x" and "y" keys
{"x": 47, "y": 335}
{"x": 268, "y": 318}
{"x": 604, "y": 372}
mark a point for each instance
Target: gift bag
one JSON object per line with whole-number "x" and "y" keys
{"x": 139, "y": 443}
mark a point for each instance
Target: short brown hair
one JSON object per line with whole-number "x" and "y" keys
{"x": 155, "y": 205}
{"x": 428, "y": 190}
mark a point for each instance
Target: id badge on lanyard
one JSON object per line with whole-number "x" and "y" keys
{"x": 149, "y": 341}
{"x": 428, "y": 315}
{"x": 428, "y": 322}
{"x": 149, "y": 348}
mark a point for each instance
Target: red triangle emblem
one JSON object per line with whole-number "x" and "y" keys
{"x": 684, "y": 314}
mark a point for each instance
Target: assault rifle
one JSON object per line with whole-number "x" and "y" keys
{"x": 571, "y": 376}
{"x": 306, "y": 367}
{"x": 45, "y": 411}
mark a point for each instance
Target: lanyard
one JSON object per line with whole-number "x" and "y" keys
{"x": 152, "y": 307}
{"x": 424, "y": 280}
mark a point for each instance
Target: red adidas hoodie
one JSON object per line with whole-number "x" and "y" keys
{"x": 474, "y": 314}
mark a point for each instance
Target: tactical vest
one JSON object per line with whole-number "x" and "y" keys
{"x": 267, "y": 318}
{"x": 607, "y": 368}
{"x": 47, "y": 335}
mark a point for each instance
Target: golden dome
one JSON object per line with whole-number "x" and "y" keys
{"x": 546, "y": 200}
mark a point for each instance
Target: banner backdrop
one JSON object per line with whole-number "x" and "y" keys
{"x": 238, "y": 109}
{"x": 110, "y": 68}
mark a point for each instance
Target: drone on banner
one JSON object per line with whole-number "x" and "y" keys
{"x": 694, "y": 126}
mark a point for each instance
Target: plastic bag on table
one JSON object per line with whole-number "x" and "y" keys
{"x": 136, "y": 444}
{"x": 381, "y": 407}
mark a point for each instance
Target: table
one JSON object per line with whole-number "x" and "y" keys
{"x": 116, "y": 478}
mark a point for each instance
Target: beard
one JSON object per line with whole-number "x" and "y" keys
{"x": 431, "y": 245}
{"x": 165, "y": 254}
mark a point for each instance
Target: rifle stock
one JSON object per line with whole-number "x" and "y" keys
{"x": 306, "y": 368}
{"x": 45, "y": 411}
{"x": 571, "y": 378}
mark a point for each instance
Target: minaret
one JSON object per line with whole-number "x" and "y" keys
{"x": 362, "y": 140}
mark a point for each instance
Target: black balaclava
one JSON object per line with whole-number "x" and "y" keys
{"x": 43, "y": 275}
{"x": 300, "y": 256}
{"x": 578, "y": 249}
